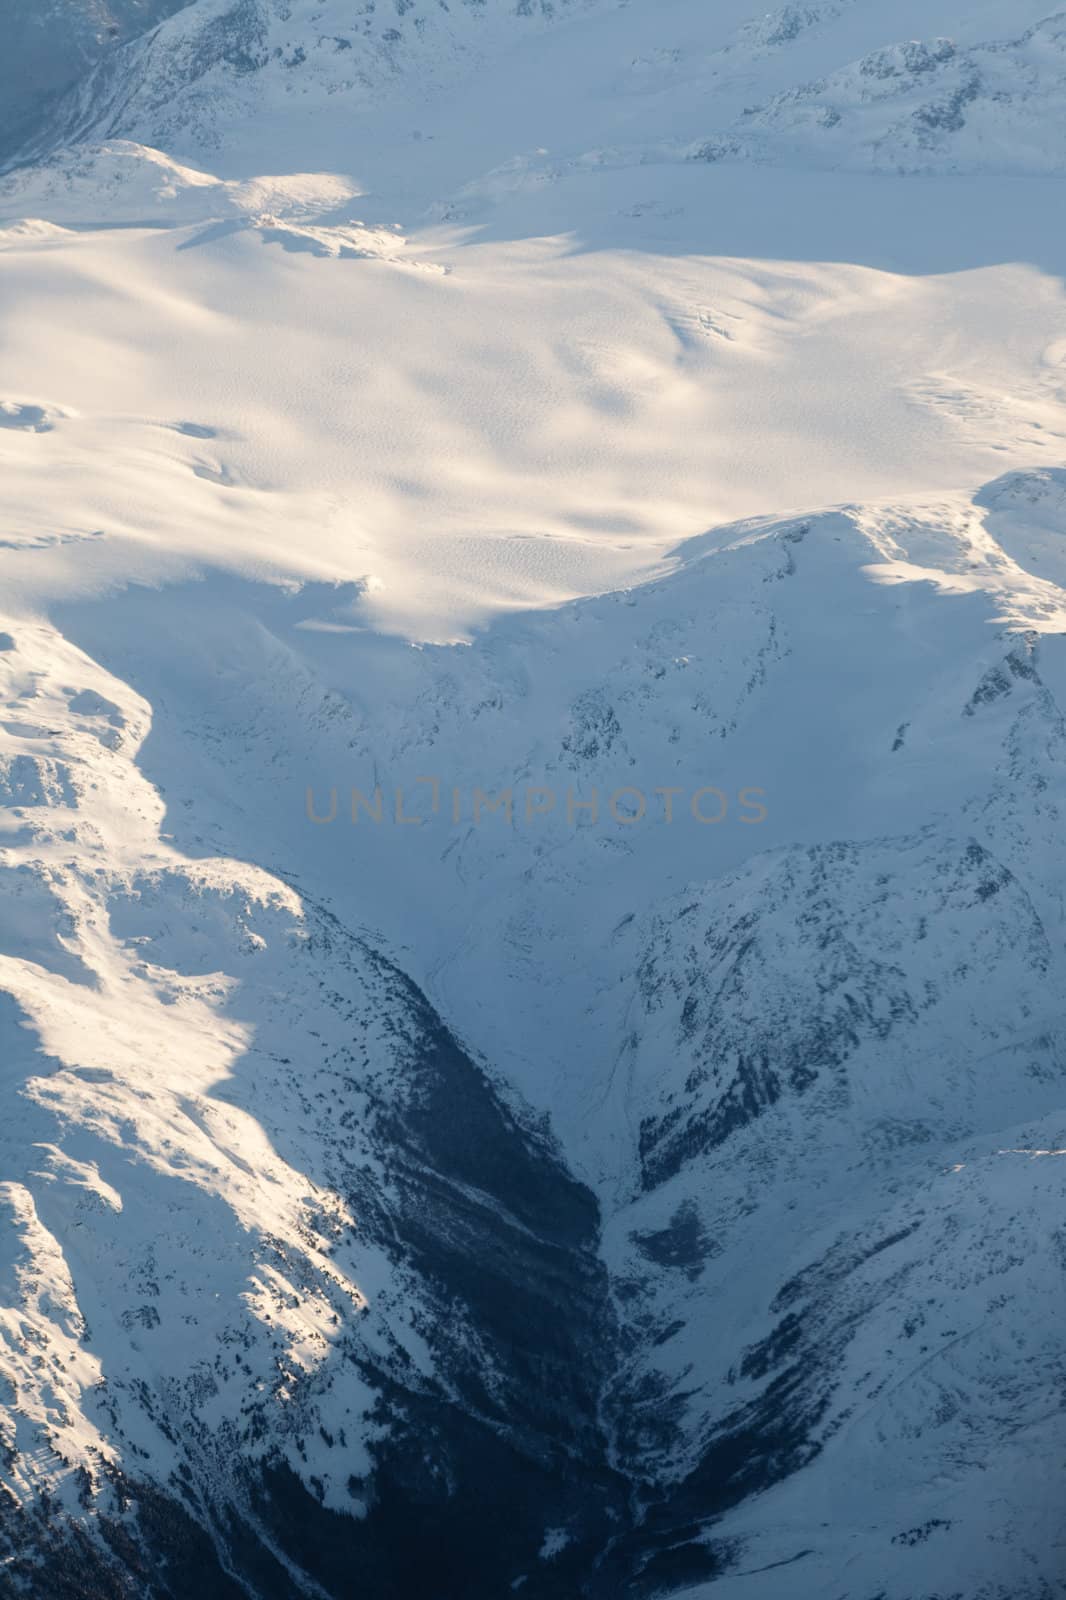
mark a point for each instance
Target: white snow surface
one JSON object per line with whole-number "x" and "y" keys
{"x": 645, "y": 397}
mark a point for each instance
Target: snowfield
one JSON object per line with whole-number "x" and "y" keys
{"x": 532, "y": 788}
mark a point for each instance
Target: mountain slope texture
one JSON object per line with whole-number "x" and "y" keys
{"x": 532, "y": 800}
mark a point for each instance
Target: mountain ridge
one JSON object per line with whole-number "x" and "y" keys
{"x": 532, "y": 766}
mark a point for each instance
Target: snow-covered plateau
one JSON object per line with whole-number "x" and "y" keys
{"x": 532, "y": 800}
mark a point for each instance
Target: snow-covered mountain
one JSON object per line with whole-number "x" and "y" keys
{"x": 532, "y": 778}
{"x": 215, "y": 63}
{"x": 50, "y": 45}
{"x": 982, "y": 97}
{"x": 282, "y": 1277}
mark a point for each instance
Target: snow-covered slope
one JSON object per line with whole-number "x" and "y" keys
{"x": 924, "y": 105}
{"x": 266, "y": 1227}
{"x": 48, "y": 45}
{"x": 218, "y": 61}
{"x": 532, "y": 764}
{"x": 970, "y": 89}
{"x": 806, "y": 1076}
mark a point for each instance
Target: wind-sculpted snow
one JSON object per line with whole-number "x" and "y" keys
{"x": 309, "y": 212}
{"x": 133, "y": 184}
